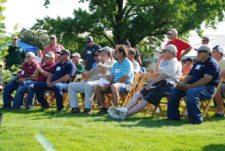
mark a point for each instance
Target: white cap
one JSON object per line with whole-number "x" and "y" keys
{"x": 76, "y": 55}
{"x": 50, "y": 55}
{"x": 31, "y": 54}
{"x": 221, "y": 50}
{"x": 171, "y": 48}
{"x": 173, "y": 31}
{"x": 107, "y": 49}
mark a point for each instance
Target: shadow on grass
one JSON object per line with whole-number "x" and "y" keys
{"x": 214, "y": 147}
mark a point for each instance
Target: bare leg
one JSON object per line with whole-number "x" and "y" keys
{"x": 137, "y": 96}
{"x": 137, "y": 108}
{"x": 100, "y": 97}
{"x": 219, "y": 101}
{"x": 115, "y": 93}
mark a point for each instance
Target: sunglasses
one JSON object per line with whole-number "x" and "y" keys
{"x": 14, "y": 39}
{"x": 52, "y": 38}
{"x": 201, "y": 51}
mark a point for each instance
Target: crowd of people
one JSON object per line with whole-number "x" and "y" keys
{"x": 106, "y": 70}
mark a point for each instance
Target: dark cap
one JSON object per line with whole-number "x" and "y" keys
{"x": 89, "y": 39}
{"x": 64, "y": 52}
{"x": 188, "y": 59}
{"x": 96, "y": 53}
{"x": 127, "y": 42}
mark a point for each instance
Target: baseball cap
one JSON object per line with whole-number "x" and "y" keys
{"x": 96, "y": 53}
{"x": 188, "y": 59}
{"x": 203, "y": 48}
{"x": 173, "y": 31}
{"x": 219, "y": 49}
{"x": 127, "y": 42}
{"x": 89, "y": 39}
{"x": 171, "y": 48}
{"x": 107, "y": 49}
{"x": 31, "y": 54}
{"x": 76, "y": 55}
{"x": 53, "y": 36}
{"x": 64, "y": 52}
{"x": 50, "y": 55}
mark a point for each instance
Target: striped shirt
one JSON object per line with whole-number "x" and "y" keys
{"x": 123, "y": 69}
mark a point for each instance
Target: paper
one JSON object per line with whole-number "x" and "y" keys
{"x": 103, "y": 82}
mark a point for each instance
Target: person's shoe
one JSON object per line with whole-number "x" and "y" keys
{"x": 60, "y": 110}
{"x": 44, "y": 107}
{"x": 75, "y": 110}
{"x": 87, "y": 111}
{"x": 219, "y": 114}
{"x": 29, "y": 108}
{"x": 103, "y": 111}
{"x": 6, "y": 107}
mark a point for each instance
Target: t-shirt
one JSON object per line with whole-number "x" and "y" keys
{"x": 61, "y": 70}
{"x": 209, "y": 67}
{"x": 171, "y": 68}
{"x": 15, "y": 56}
{"x": 123, "y": 69}
{"x": 89, "y": 55}
{"x": 181, "y": 46}
{"x": 80, "y": 68}
{"x": 48, "y": 68}
{"x": 55, "y": 49}
{"x": 137, "y": 67}
{"x": 27, "y": 70}
{"x": 222, "y": 64}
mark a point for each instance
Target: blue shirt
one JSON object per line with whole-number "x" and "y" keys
{"x": 61, "y": 70}
{"x": 209, "y": 67}
{"x": 123, "y": 69}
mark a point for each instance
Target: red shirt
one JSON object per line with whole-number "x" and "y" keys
{"x": 27, "y": 70}
{"x": 181, "y": 46}
{"x": 55, "y": 49}
{"x": 47, "y": 68}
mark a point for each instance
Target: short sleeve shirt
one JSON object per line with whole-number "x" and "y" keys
{"x": 123, "y": 69}
{"x": 209, "y": 67}
{"x": 181, "y": 46}
{"x": 48, "y": 68}
{"x": 61, "y": 70}
{"x": 27, "y": 70}
{"x": 89, "y": 55}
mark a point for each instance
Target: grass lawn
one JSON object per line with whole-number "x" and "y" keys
{"x": 69, "y": 132}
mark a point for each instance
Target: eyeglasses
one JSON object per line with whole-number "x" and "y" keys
{"x": 52, "y": 38}
{"x": 201, "y": 51}
{"x": 169, "y": 34}
{"x": 204, "y": 40}
{"x": 14, "y": 39}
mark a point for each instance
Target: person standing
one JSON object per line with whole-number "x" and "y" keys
{"x": 89, "y": 51}
{"x": 182, "y": 47}
{"x": 15, "y": 54}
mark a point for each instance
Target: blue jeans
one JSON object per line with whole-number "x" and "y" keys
{"x": 58, "y": 89}
{"x": 194, "y": 96}
{"x": 20, "y": 92}
{"x": 9, "y": 88}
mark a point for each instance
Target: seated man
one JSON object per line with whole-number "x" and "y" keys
{"x": 218, "y": 53}
{"x": 57, "y": 81}
{"x": 40, "y": 74}
{"x": 121, "y": 76}
{"x": 200, "y": 84}
{"x": 186, "y": 68}
{"x": 80, "y": 67}
{"x": 24, "y": 77}
{"x": 104, "y": 67}
{"x": 156, "y": 88}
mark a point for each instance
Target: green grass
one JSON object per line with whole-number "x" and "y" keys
{"x": 69, "y": 132}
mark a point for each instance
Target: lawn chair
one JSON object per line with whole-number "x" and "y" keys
{"x": 205, "y": 104}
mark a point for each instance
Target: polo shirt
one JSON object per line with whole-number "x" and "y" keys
{"x": 55, "y": 49}
{"x": 181, "y": 46}
{"x": 61, "y": 70}
{"x": 48, "y": 68}
{"x": 27, "y": 70}
{"x": 89, "y": 55}
{"x": 123, "y": 69}
{"x": 209, "y": 67}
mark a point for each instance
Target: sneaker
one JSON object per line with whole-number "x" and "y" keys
{"x": 219, "y": 114}
{"x": 118, "y": 113}
{"x": 75, "y": 110}
{"x": 87, "y": 111}
{"x": 103, "y": 111}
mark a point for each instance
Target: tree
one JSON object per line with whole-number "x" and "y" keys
{"x": 137, "y": 19}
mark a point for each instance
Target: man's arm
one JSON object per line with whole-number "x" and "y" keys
{"x": 123, "y": 79}
{"x": 65, "y": 78}
{"x": 202, "y": 82}
{"x": 186, "y": 51}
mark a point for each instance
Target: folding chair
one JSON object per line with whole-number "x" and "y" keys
{"x": 124, "y": 97}
{"x": 205, "y": 104}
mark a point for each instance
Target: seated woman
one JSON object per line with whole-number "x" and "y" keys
{"x": 155, "y": 89}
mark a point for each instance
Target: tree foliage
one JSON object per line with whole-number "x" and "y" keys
{"x": 138, "y": 19}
